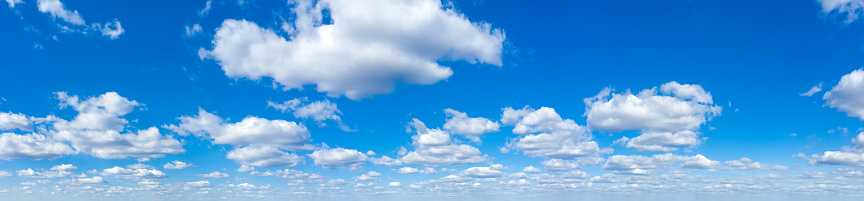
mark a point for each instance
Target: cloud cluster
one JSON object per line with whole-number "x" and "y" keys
{"x": 848, "y": 95}
{"x": 57, "y": 9}
{"x": 545, "y": 133}
{"x": 851, "y": 8}
{"x": 668, "y": 117}
{"x": 317, "y": 110}
{"x": 435, "y": 147}
{"x": 370, "y": 46}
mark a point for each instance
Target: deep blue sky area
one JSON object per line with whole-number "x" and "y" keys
{"x": 431, "y": 100}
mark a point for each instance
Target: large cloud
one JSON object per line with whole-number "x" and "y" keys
{"x": 338, "y": 157}
{"x": 847, "y": 156}
{"x": 434, "y": 147}
{"x": 263, "y": 156}
{"x": 147, "y": 143}
{"x": 251, "y": 130}
{"x": 12, "y": 121}
{"x": 460, "y": 123}
{"x": 545, "y": 133}
{"x": 31, "y": 146}
{"x": 667, "y": 117}
{"x": 848, "y": 95}
{"x": 369, "y": 46}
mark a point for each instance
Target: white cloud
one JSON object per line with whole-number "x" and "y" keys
{"x": 848, "y": 95}
{"x": 177, "y": 165}
{"x": 667, "y": 118}
{"x": 370, "y": 46}
{"x": 90, "y": 180}
{"x": 369, "y": 176}
{"x": 460, "y": 123}
{"x": 205, "y": 10}
{"x": 851, "y": 8}
{"x": 133, "y": 174}
{"x": 813, "y": 90}
{"x": 338, "y": 157}
{"x": 848, "y": 156}
{"x": 434, "y": 147}
{"x": 747, "y": 164}
{"x": 643, "y": 165}
{"x": 214, "y": 174}
{"x": 317, "y": 110}
{"x": 545, "y": 133}
{"x": 4, "y": 173}
{"x": 46, "y": 174}
{"x": 559, "y": 165}
{"x": 31, "y": 146}
{"x": 531, "y": 169}
{"x": 263, "y": 156}
{"x": 13, "y": 2}
{"x": 192, "y": 30}
{"x": 410, "y": 170}
{"x": 57, "y": 10}
{"x": 386, "y": 161}
{"x": 110, "y": 144}
{"x": 199, "y": 184}
{"x": 64, "y": 167}
{"x": 100, "y": 113}
{"x": 394, "y": 184}
{"x": 700, "y": 162}
{"x": 251, "y": 130}
{"x": 110, "y": 29}
{"x": 12, "y": 121}
{"x": 484, "y": 172}
{"x": 139, "y": 166}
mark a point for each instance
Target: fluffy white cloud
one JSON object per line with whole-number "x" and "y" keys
{"x": 263, "y": 156}
{"x": 12, "y": 121}
{"x": 667, "y": 118}
{"x": 386, "y": 161}
{"x": 46, "y": 174}
{"x": 434, "y": 147}
{"x": 369, "y": 46}
{"x": 531, "y": 169}
{"x": 214, "y": 174}
{"x": 460, "y": 123}
{"x": 643, "y": 165}
{"x": 64, "y": 167}
{"x": 316, "y": 110}
{"x": 4, "y": 173}
{"x": 848, "y": 95}
{"x": 484, "y": 172}
{"x": 177, "y": 165}
{"x": 545, "y": 133}
{"x": 369, "y": 176}
{"x": 111, "y": 29}
{"x": 394, "y": 184}
{"x": 139, "y": 166}
{"x": 98, "y": 113}
{"x": 410, "y": 170}
{"x": 32, "y": 146}
{"x": 748, "y": 164}
{"x": 848, "y": 156}
{"x": 559, "y": 165}
{"x": 851, "y": 8}
{"x": 57, "y": 10}
{"x": 251, "y": 130}
{"x": 111, "y": 144}
{"x": 133, "y": 174}
{"x": 199, "y": 184}
{"x": 338, "y": 157}
{"x": 90, "y": 180}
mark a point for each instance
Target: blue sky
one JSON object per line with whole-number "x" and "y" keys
{"x": 432, "y": 100}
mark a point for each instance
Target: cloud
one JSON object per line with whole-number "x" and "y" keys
{"x": 851, "y": 8}
{"x": 370, "y": 46}
{"x": 133, "y": 174}
{"x": 110, "y": 29}
{"x": 98, "y": 113}
{"x": 205, "y": 10}
{"x": 176, "y": 165}
{"x": 90, "y": 180}
{"x": 848, "y": 156}
{"x": 110, "y": 144}
{"x": 249, "y": 131}
{"x": 700, "y": 162}
{"x": 57, "y": 10}
{"x": 813, "y": 90}
{"x": 434, "y": 147}
{"x": 410, "y": 170}
{"x": 848, "y": 95}
{"x": 559, "y": 166}
{"x": 386, "y": 161}
{"x": 667, "y": 118}
{"x": 747, "y": 164}
{"x": 214, "y": 174}
{"x": 531, "y": 169}
{"x": 338, "y": 157}
{"x": 31, "y": 146}
{"x": 12, "y": 121}
{"x": 317, "y": 110}
{"x": 643, "y": 165}
{"x": 484, "y": 172}
{"x": 460, "y": 123}
{"x": 369, "y": 176}
{"x": 13, "y": 2}
{"x": 545, "y": 133}
{"x": 263, "y": 156}
{"x": 64, "y": 167}
{"x": 394, "y": 184}
{"x": 46, "y": 174}
{"x": 199, "y": 184}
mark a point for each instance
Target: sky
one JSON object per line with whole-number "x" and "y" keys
{"x": 432, "y": 100}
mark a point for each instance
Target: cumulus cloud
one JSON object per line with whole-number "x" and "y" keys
{"x": 251, "y": 130}
{"x": 851, "y": 8}
{"x": 57, "y": 9}
{"x": 484, "y": 172}
{"x": 434, "y": 147}
{"x": 410, "y": 170}
{"x": 559, "y": 165}
{"x": 531, "y": 169}
{"x": 12, "y": 121}
{"x": 29, "y": 172}
{"x": 101, "y": 112}
{"x": 667, "y": 117}
{"x": 338, "y": 157}
{"x": 198, "y": 184}
{"x": 263, "y": 156}
{"x": 214, "y": 174}
{"x": 64, "y": 167}
{"x": 386, "y": 161}
{"x": 847, "y": 156}
{"x": 13, "y": 2}
{"x": 176, "y": 165}
{"x": 90, "y": 180}
{"x": 369, "y": 176}
{"x": 644, "y": 165}
{"x": 848, "y": 95}
{"x": 317, "y": 110}
{"x": 111, "y": 144}
{"x": 460, "y": 123}
{"x": 31, "y": 146}
{"x": 545, "y": 133}
{"x": 133, "y": 174}
{"x": 110, "y": 29}
{"x": 370, "y": 46}
{"x": 748, "y": 164}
